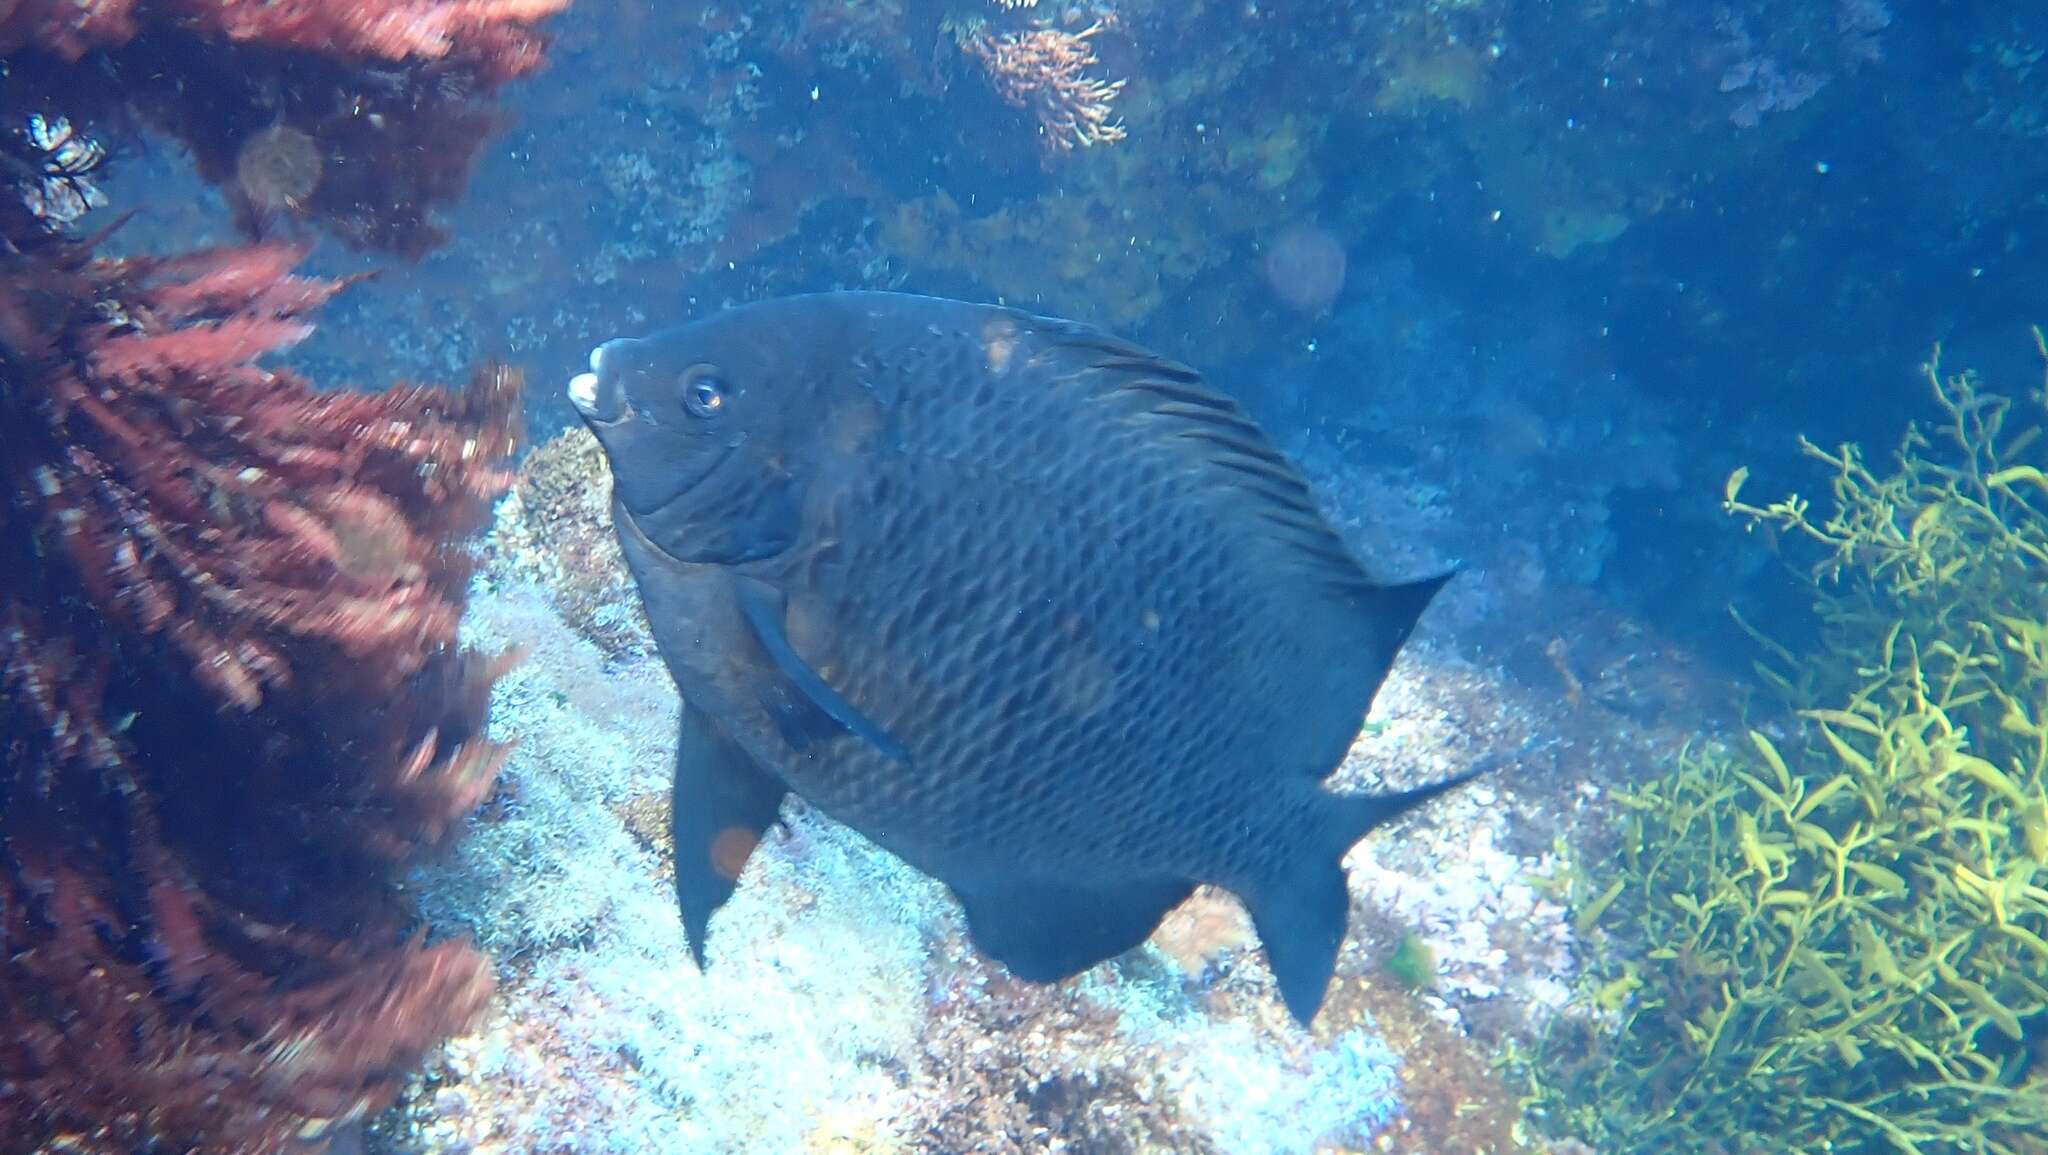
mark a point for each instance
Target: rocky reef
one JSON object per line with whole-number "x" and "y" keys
{"x": 1499, "y": 248}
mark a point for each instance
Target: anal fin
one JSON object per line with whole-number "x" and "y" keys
{"x": 1044, "y": 932}
{"x": 722, "y": 803}
{"x": 1301, "y": 924}
{"x": 1303, "y": 913}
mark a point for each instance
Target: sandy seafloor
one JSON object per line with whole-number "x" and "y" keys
{"x": 844, "y": 1011}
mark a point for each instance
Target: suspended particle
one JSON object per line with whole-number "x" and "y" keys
{"x": 279, "y": 167}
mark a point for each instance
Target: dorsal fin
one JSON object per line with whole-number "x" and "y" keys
{"x": 1208, "y": 427}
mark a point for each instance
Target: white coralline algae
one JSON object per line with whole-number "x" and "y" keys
{"x": 818, "y": 1027}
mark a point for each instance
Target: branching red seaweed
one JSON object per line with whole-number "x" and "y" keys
{"x": 234, "y": 701}
{"x": 359, "y": 116}
{"x": 494, "y": 37}
{"x": 233, "y": 704}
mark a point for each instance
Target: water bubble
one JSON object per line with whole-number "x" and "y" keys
{"x": 279, "y": 167}
{"x": 1305, "y": 266}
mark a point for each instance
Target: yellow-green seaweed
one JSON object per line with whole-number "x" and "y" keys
{"x": 1411, "y": 962}
{"x": 1832, "y": 935}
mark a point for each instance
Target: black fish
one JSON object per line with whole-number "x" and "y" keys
{"x": 1033, "y": 608}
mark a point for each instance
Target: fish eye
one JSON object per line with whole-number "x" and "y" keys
{"x": 703, "y": 394}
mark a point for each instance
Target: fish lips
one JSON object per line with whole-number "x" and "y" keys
{"x": 599, "y": 396}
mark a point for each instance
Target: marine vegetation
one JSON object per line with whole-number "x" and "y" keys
{"x": 362, "y": 117}
{"x": 1047, "y": 71}
{"x": 1831, "y": 935}
{"x": 233, "y": 709}
{"x": 840, "y": 512}
{"x": 232, "y": 706}
{"x": 1412, "y": 964}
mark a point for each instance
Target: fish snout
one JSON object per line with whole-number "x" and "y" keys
{"x": 600, "y": 395}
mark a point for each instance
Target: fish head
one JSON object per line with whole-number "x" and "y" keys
{"x": 697, "y": 424}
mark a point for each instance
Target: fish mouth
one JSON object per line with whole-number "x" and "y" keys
{"x": 598, "y": 396}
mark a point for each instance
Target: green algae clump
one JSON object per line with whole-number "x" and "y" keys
{"x": 1412, "y": 963}
{"x": 1833, "y": 937}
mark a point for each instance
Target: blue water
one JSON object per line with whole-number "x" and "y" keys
{"x": 1515, "y": 283}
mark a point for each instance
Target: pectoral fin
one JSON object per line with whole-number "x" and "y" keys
{"x": 723, "y": 802}
{"x": 805, "y": 709}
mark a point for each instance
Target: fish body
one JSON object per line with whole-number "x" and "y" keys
{"x": 1036, "y": 610}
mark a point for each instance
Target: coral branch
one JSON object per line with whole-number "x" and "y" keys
{"x": 1045, "y": 71}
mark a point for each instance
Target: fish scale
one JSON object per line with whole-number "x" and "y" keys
{"x": 1033, "y": 608}
{"x": 969, "y": 784}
